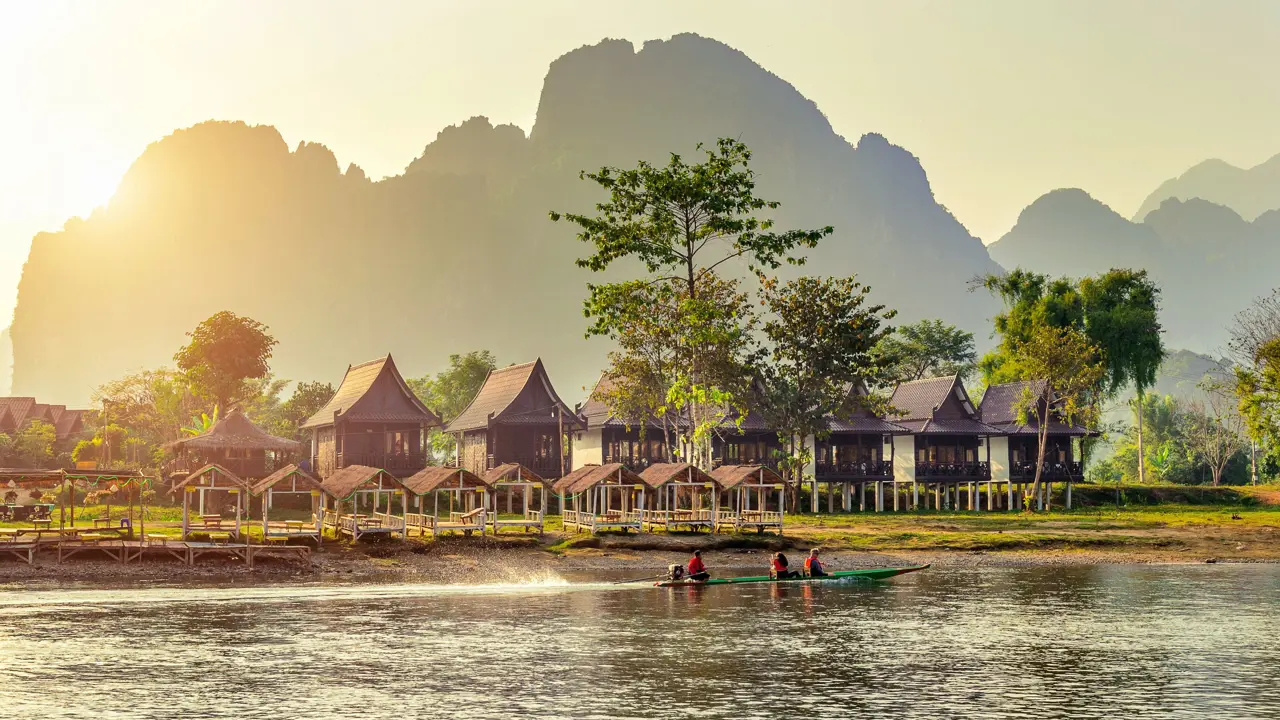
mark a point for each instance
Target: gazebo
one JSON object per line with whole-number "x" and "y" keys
{"x": 512, "y": 478}
{"x": 684, "y": 496}
{"x": 212, "y": 478}
{"x": 748, "y": 488}
{"x": 464, "y": 491}
{"x": 599, "y": 498}
{"x": 377, "y": 489}
{"x": 236, "y": 444}
{"x": 290, "y": 480}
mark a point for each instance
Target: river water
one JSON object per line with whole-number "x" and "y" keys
{"x": 1073, "y": 642}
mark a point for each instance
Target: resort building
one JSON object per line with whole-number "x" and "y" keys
{"x": 606, "y": 439}
{"x": 1014, "y": 452}
{"x": 16, "y": 413}
{"x": 516, "y": 417}
{"x": 373, "y": 420}
{"x": 949, "y": 447}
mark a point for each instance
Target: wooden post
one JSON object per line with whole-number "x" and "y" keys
{"x": 879, "y": 496}
{"x": 186, "y": 511}
{"x": 1008, "y": 486}
{"x": 915, "y": 494}
{"x": 1068, "y": 494}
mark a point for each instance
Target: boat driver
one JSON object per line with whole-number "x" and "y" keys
{"x": 696, "y": 570}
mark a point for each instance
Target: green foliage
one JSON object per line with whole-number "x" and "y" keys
{"x": 306, "y": 400}
{"x": 30, "y": 447}
{"x": 450, "y": 391}
{"x": 929, "y": 348}
{"x": 1175, "y": 447}
{"x": 201, "y": 423}
{"x": 153, "y": 404}
{"x": 682, "y": 222}
{"x": 226, "y": 350}
{"x": 1122, "y": 319}
{"x": 86, "y": 450}
{"x": 821, "y": 338}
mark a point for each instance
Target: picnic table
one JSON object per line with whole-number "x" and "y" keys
{"x": 211, "y": 522}
{"x": 294, "y": 525}
{"x": 39, "y": 523}
{"x": 102, "y": 522}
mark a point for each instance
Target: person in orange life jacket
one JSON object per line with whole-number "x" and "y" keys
{"x": 778, "y": 569}
{"x": 697, "y": 571}
{"x": 812, "y": 565}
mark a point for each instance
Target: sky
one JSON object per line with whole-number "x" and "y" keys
{"x": 1002, "y": 101}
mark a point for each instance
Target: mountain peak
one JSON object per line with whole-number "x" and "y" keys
{"x": 1250, "y": 192}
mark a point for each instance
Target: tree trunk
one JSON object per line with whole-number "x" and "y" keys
{"x": 1043, "y": 443}
{"x": 1142, "y": 456}
{"x": 1253, "y": 463}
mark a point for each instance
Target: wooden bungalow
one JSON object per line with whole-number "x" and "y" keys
{"x": 1014, "y": 453}
{"x": 948, "y": 449}
{"x": 506, "y": 481}
{"x": 373, "y": 420}
{"x": 751, "y": 442}
{"x": 605, "y": 438}
{"x": 229, "y": 492}
{"x": 857, "y": 454}
{"x": 17, "y": 413}
{"x": 465, "y": 505}
{"x": 236, "y": 444}
{"x": 682, "y": 496}
{"x": 746, "y": 490}
{"x": 601, "y": 498}
{"x": 290, "y": 481}
{"x": 516, "y": 417}
{"x": 357, "y": 488}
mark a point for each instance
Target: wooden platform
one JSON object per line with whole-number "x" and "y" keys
{"x": 127, "y": 551}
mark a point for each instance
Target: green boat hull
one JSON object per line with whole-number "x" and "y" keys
{"x": 871, "y": 574}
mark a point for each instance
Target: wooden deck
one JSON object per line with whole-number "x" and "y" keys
{"x": 669, "y": 520}
{"x": 611, "y": 521}
{"x": 758, "y": 520}
{"x": 154, "y": 547}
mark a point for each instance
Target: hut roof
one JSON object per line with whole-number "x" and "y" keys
{"x": 235, "y": 432}
{"x": 595, "y": 412}
{"x": 68, "y": 423}
{"x": 214, "y": 469}
{"x": 284, "y": 473}
{"x": 373, "y": 391}
{"x": 345, "y": 482}
{"x": 728, "y": 476}
{"x": 17, "y": 412}
{"x": 999, "y": 408}
{"x": 938, "y": 406}
{"x": 519, "y": 394}
{"x": 660, "y": 474}
{"x": 588, "y": 476}
{"x": 437, "y": 478}
{"x": 508, "y": 472}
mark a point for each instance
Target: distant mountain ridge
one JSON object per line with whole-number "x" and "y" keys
{"x": 1250, "y": 192}
{"x": 457, "y": 253}
{"x": 1209, "y": 261}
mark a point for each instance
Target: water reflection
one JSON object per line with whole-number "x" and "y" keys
{"x": 1079, "y": 642}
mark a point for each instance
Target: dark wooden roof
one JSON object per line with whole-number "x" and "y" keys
{"x": 660, "y": 474}
{"x": 17, "y": 412}
{"x": 595, "y": 412}
{"x": 515, "y": 395}
{"x": 588, "y": 476}
{"x": 1000, "y": 409}
{"x": 937, "y": 406}
{"x": 512, "y": 472}
{"x": 236, "y": 432}
{"x": 373, "y": 391}
{"x": 442, "y": 478}
{"x": 729, "y": 476}
{"x": 285, "y": 473}
{"x": 343, "y": 483}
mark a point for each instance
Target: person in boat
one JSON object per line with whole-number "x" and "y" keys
{"x": 696, "y": 570}
{"x": 813, "y": 566}
{"x": 779, "y": 570}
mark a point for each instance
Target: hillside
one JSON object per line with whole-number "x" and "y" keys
{"x": 457, "y": 253}
{"x": 1209, "y": 262}
{"x": 1250, "y": 192}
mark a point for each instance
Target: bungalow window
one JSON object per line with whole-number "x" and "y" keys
{"x": 395, "y": 443}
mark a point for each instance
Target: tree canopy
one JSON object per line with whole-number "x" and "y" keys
{"x": 451, "y": 390}
{"x": 224, "y": 351}
{"x": 928, "y": 348}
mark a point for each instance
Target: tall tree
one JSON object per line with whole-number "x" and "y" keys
{"x": 1065, "y": 371}
{"x": 1122, "y": 319}
{"x": 682, "y": 222}
{"x": 451, "y": 390}
{"x": 821, "y": 338}
{"x": 1252, "y": 346}
{"x": 928, "y": 348}
{"x": 1216, "y": 433}
{"x": 225, "y": 351}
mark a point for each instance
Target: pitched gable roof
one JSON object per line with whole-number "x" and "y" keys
{"x": 730, "y": 476}
{"x": 588, "y": 476}
{"x": 1000, "y": 409}
{"x": 919, "y": 402}
{"x": 436, "y": 478}
{"x": 235, "y": 432}
{"x": 18, "y": 408}
{"x": 518, "y": 394}
{"x": 660, "y": 474}
{"x": 69, "y": 422}
{"x": 293, "y": 473}
{"x": 373, "y": 391}
{"x": 343, "y": 483}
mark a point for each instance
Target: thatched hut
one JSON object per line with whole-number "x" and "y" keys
{"x": 683, "y": 496}
{"x": 598, "y": 498}
{"x": 236, "y": 444}
{"x": 464, "y": 494}
{"x": 747, "y": 490}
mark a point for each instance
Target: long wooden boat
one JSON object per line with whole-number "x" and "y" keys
{"x": 870, "y": 574}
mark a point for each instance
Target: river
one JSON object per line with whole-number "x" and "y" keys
{"x": 1046, "y": 642}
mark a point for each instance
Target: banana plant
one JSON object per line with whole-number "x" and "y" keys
{"x": 201, "y": 423}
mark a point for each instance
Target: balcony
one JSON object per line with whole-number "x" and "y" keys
{"x": 870, "y": 470}
{"x": 547, "y": 467}
{"x": 773, "y": 463}
{"x": 391, "y": 462}
{"x": 633, "y": 463}
{"x": 1052, "y": 471}
{"x": 953, "y": 471}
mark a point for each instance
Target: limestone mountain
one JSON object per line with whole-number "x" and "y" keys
{"x": 1209, "y": 261}
{"x": 457, "y": 253}
{"x": 1250, "y": 192}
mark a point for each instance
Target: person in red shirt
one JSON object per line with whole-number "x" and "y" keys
{"x": 778, "y": 568}
{"x": 697, "y": 571}
{"x": 812, "y": 565}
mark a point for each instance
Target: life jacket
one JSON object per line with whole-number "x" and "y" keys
{"x": 810, "y": 563}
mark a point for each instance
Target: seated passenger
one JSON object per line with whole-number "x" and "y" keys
{"x": 812, "y": 565}
{"x": 778, "y": 569}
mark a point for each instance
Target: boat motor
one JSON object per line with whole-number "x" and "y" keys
{"x": 675, "y": 573}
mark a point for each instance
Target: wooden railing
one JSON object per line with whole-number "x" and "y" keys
{"x": 773, "y": 463}
{"x": 863, "y": 469}
{"x": 544, "y": 466}
{"x": 971, "y": 470}
{"x": 383, "y": 461}
{"x": 1054, "y": 471}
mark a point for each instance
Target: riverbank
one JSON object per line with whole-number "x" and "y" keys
{"x": 1160, "y": 534}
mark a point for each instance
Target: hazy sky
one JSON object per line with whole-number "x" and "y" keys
{"x": 1002, "y": 101}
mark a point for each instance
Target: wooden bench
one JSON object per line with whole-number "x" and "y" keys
{"x": 220, "y": 537}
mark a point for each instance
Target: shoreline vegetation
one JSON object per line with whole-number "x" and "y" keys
{"x": 1242, "y": 527}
